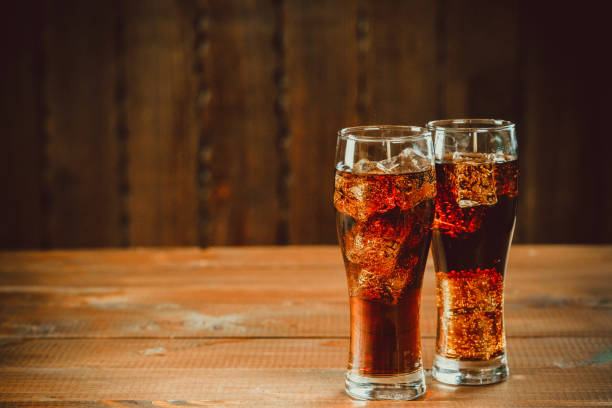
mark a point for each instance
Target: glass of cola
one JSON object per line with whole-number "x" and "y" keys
{"x": 475, "y": 212}
{"x": 384, "y": 199}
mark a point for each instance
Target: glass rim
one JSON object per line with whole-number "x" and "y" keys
{"x": 376, "y": 133}
{"x": 481, "y": 125}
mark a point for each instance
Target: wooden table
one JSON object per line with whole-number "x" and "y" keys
{"x": 259, "y": 327}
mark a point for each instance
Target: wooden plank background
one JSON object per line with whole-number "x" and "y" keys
{"x": 170, "y": 122}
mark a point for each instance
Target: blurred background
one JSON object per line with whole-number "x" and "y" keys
{"x": 169, "y": 122}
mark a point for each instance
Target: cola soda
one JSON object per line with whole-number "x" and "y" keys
{"x": 474, "y": 221}
{"x": 384, "y": 226}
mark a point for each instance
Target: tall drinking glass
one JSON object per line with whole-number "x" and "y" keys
{"x": 477, "y": 189}
{"x": 384, "y": 192}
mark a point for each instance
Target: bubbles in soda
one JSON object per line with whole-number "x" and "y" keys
{"x": 474, "y": 221}
{"x": 384, "y": 221}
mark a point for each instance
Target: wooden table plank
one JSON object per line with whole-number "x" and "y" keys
{"x": 268, "y": 326}
{"x": 198, "y": 311}
{"x": 579, "y": 264}
{"x": 265, "y": 292}
{"x": 241, "y": 353}
{"x": 273, "y": 369}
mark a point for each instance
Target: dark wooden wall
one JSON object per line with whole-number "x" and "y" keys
{"x": 182, "y": 122}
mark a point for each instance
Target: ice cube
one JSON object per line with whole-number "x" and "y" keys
{"x": 413, "y": 160}
{"x": 378, "y": 267}
{"x": 385, "y": 288}
{"x": 344, "y": 167}
{"x": 389, "y": 165}
{"x": 376, "y": 252}
{"x": 474, "y": 179}
{"x": 360, "y": 196}
{"x": 500, "y": 158}
{"x": 376, "y": 243}
{"x": 410, "y": 160}
{"x": 364, "y": 166}
{"x": 414, "y": 189}
{"x": 373, "y": 286}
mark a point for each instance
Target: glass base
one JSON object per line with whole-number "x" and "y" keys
{"x": 397, "y": 388}
{"x": 458, "y": 372}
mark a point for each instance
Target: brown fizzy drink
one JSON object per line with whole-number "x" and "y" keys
{"x": 474, "y": 220}
{"x": 384, "y": 228}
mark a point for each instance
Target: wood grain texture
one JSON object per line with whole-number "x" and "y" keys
{"x": 229, "y": 371}
{"x": 172, "y": 122}
{"x": 239, "y": 122}
{"x": 162, "y": 138}
{"x": 481, "y": 67}
{"x": 400, "y": 62}
{"x": 259, "y": 326}
{"x": 316, "y": 353}
{"x": 321, "y": 57}
{"x": 198, "y": 312}
{"x": 559, "y": 112}
{"x": 267, "y": 292}
{"x": 82, "y": 154}
{"x": 22, "y": 116}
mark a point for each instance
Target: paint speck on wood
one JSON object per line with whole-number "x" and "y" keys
{"x": 154, "y": 351}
